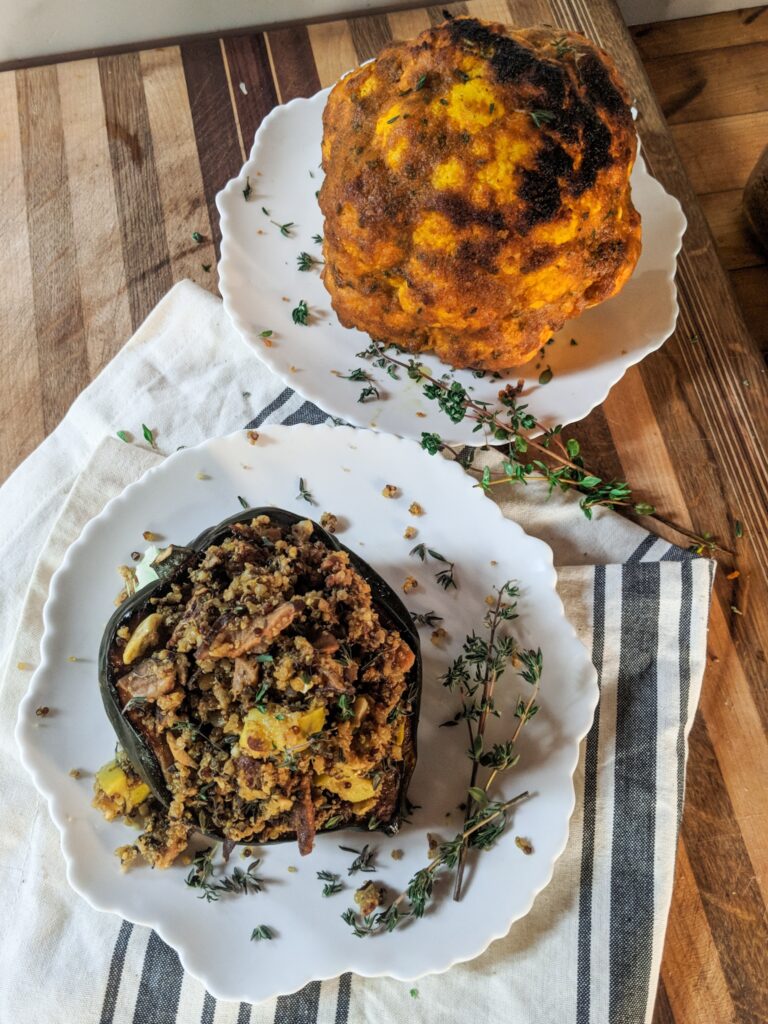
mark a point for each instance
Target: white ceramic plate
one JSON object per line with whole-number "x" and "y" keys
{"x": 345, "y": 470}
{"x": 258, "y": 271}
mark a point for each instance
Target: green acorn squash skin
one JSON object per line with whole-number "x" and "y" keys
{"x": 386, "y": 602}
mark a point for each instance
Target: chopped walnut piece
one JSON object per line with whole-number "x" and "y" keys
{"x": 415, "y": 509}
{"x": 368, "y": 897}
{"x": 410, "y": 584}
{"x": 410, "y": 532}
{"x": 329, "y": 522}
{"x": 390, "y": 491}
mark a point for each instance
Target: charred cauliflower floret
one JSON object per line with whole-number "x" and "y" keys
{"x": 477, "y": 190}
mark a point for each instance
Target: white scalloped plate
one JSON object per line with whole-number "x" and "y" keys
{"x": 345, "y": 470}
{"x": 258, "y": 272}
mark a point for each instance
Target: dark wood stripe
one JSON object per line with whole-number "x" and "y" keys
{"x": 294, "y": 63}
{"x": 662, "y": 1011}
{"x": 137, "y": 194}
{"x": 594, "y": 435}
{"x": 214, "y": 122}
{"x": 437, "y": 13}
{"x": 369, "y": 35}
{"x": 249, "y": 63}
{"x": 61, "y": 345}
{"x": 725, "y": 879}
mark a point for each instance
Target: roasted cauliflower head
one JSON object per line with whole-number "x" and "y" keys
{"x": 477, "y": 190}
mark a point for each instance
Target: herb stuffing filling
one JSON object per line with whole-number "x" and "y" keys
{"x": 272, "y": 691}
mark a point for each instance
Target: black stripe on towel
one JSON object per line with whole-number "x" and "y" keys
{"x": 299, "y": 1008}
{"x": 274, "y": 405}
{"x": 643, "y": 548}
{"x": 684, "y": 647}
{"x": 308, "y": 413}
{"x": 342, "y": 999}
{"x": 244, "y": 1013}
{"x": 583, "y": 974}
{"x": 115, "y": 973}
{"x": 160, "y": 987}
{"x": 634, "y": 810}
{"x": 209, "y": 1009}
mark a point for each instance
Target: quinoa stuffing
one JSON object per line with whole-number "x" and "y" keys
{"x": 329, "y": 522}
{"x": 390, "y": 491}
{"x": 273, "y": 692}
{"x": 409, "y": 584}
{"x": 415, "y": 509}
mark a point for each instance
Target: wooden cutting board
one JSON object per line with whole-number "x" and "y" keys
{"x": 108, "y": 166}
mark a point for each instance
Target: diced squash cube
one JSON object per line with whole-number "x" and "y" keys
{"x": 124, "y": 794}
{"x": 264, "y": 733}
{"x": 347, "y": 784}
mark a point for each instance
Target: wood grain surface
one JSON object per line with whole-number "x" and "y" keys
{"x": 107, "y": 167}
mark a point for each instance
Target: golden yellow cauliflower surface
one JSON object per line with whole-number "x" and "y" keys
{"x": 477, "y": 190}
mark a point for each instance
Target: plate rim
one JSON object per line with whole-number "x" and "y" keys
{"x": 32, "y": 757}
{"x": 307, "y": 388}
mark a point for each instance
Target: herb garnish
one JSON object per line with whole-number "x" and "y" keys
{"x": 247, "y": 190}
{"x": 238, "y": 883}
{"x": 333, "y": 885}
{"x": 345, "y": 711}
{"x": 285, "y": 229}
{"x": 368, "y": 392}
{"x": 206, "y": 267}
{"x": 357, "y": 374}
{"x": 123, "y": 435}
{"x": 197, "y": 237}
{"x": 301, "y": 313}
{"x": 261, "y": 932}
{"x": 304, "y": 493}
{"x": 266, "y": 334}
{"x": 545, "y": 376}
{"x": 426, "y": 618}
{"x": 306, "y": 261}
{"x": 318, "y": 239}
{"x": 243, "y": 502}
{"x": 364, "y": 859}
{"x": 562, "y": 46}
{"x": 445, "y": 577}
{"x": 133, "y": 703}
{"x": 421, "y": 82}
{"x": 149, "y": 437}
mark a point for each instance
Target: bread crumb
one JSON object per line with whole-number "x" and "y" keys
{"x": 733, "y": 575}
{"x": 415, "y": 509}
{"x": 72, "y": 658}
{"x": 410, "y": 584}
{"x": 410, "y": 532}
{"x": 494, "y": 562}
{"x": 23, "y": 666}
{"x": 292, "y": 869}
{"x": 368, "y": 897}
{"x": 438, "y": 635}
{"x": 75, "y": 773}
{"x": 148, "y": 535}
{"x": 421, "y": 415}
{"x": 397, "y": 855}
{"x": 390, "y": 491}
{"x": 252, "y": 436}
{"x": 201, "y": 475}
{"x": 293, "y": 369}
{"x": 266, "y": 342}
{"x": 329, "y": 522}
{"x": 42, "y": 711}
{"x": 524, "y": 844}
{"x": 490, "y": 600}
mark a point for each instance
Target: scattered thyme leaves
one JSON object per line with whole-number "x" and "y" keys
{"x": 333, "y": 884}
{"x": 317, "y": 239}
{"x": 261, "y": 931}
{"x": 149, "y": 437}
{"x": 301, "y": 313}
{"x": 306, "y": 261}
{"x": 123, "y": 435}
{"x": 247, "y": 190}
{"x": 369, "y": 392}
{"x": 243, "y": 502}
{"x": 285, "y": 229}
{"x": 364, "y": 859}
{"x": 304, "y": 493}
{"x": 540, "y": 117}
{"x": 426, "y": 618}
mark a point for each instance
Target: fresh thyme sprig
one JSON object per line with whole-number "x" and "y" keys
{"x": 300, "y": 313}
{"x": 306, "y": 261}
{"x": 333, "y": 885}
{"x": 364, "y": 859}
{"x": 238, "y": 883}
{"x": 478, "y": 668}
{"x": 304, "y": 493}
{"x": 285, "y": 229}
{"x": 546, "y": 457}
{"x": 429, "y": 618}
{"x": 369, "y": 392}
{"x": 445, "y": 577}
{"x": 481, "y": 833}
{"x": 261, "y": 931}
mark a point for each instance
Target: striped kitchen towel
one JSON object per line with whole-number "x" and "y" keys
{"x": 588, "y": 952}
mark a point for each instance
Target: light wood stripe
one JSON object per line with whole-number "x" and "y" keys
{"x": 23, "y": 424}
{"x": 333, "y": 50}
{"x": 96, "y": 227}
{"x": 407, "y": 24}
{"x": 61, "y": 353}
{"x": 739, "y": 141}
{"x": 177, "y": 166}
